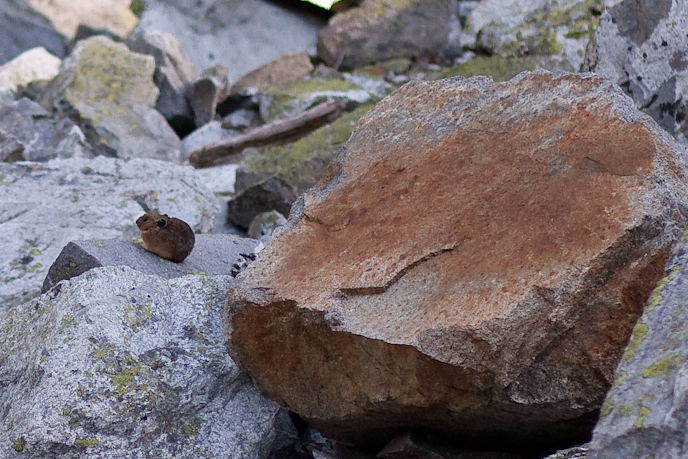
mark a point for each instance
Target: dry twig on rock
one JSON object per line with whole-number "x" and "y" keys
{"x": 275, "y": 133}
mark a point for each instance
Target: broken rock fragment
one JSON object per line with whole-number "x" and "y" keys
{"x": 472, "y": 264}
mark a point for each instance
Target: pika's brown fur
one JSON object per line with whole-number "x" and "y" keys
{"x": 166, "y": 236}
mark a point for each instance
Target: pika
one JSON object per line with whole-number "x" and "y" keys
{"x": 166, "y": 236}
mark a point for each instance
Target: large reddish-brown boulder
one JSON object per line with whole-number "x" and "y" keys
{"x": 472, "y": 265}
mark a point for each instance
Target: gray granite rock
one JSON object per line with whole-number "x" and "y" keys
{"x": 174, "y": 71}
{"x": 259, "y": 31}
{"x": 32, "y": 65}
{"x": 645, "y": 413}
{"x": 112, "y": 93}
{"x": 23, "y": 28}
{"x": 118, "y": 364}
{"x": 44, "y": 206}
{"x": 560, "y": 28}
{"x": 208, "y": 90}
{"x": 212, "y": 255}
{"x": 642, "y": 46}
{"x": 42, "y": 136}
{"x": 11, "y": 149}
{"x": 382, "y": 29}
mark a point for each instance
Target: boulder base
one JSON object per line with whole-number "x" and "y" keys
{"x": 472, "y": 264}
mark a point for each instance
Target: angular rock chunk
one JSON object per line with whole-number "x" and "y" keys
{"x": 208, "y": 90}
{"x": 644, "y": 414}
{"x": 258, "y": 31}
{"x": 385, "y": 29}
{"x": 23, "y": 28}
{"x": 558, "y": 28}
{"x": 173, "y": 74}
{"x": 42, "y": 136}
{"x": 472, "y": 264}
{"x": 286, "y": 68}
{"x": 642, "y": 46}
{"x": 112, "y": 91}
{"x": 44, "y": 206}
{"x": 32, "y": 65}
{"x": 120, "y": 364}
{"x": 212, "y": 255}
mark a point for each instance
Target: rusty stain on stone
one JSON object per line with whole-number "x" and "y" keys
{"x": 473, "y": 263}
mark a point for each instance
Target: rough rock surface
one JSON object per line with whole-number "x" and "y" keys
{"x": 290, "y": 99}
{"x": 642, "y": 46}
{"x": 385, "y": 29}
{"x": 259, "y": 31}
{"x": 559, "y": 28}
{"x": 173, "y": 74}
{"x": 44, "y": 206}
{"x": 32, "y": 65}
{"x": 113, "y": 93}
{"x": 644, "y": 414}
{"x": 23, "y": 28}
{"x": 472, "y": 264}
{"x": 68, "y": 15}
{"x": 212, "y": 255}
{"x": 208, "y": 90}
{"x": 117, "y": 364}
{"x": 286, "y": 68}
{"x": 40, "y": 135}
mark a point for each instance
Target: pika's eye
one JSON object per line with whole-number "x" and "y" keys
{"x": 161, "y": 223}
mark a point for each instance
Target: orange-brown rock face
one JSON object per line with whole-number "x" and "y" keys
{"x": 472, "y": 266}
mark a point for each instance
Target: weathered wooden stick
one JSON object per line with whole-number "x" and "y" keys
{"x": 275, "y": 133}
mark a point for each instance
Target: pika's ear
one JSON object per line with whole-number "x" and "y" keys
{"x": 161, "y": 222}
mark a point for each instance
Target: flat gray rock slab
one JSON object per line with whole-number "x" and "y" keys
{"x": 645, "y": 413}
{"x": 118, "y": 364}
{"x": 212, "y": 255}
{"x": 44, "y": 206}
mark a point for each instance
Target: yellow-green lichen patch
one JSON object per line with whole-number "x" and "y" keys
{"x": 190, "y": 429}
{"x": 67, "y": 321}
{"x": 605, "y": 409}
{"x": 638, "y": 335}
{"x": 128, "y": 371}
{"x": 325, "y": 140}
{"x": 498, "y": 67}
{"x": 297, "y": 96}
{"x": 642, "y": 414}
{"x": 626, "y": 410}
{"x": 137, "y": 316}
{"x": 662, "y": 366}
{"x": 655, "y": 296}
{"x": 106, "y": 70}
{"x": 18, "y": 444}
{"x": 620, "y": 377}
{"x": 86, "y": 442}
{"x": 35, "y": 267}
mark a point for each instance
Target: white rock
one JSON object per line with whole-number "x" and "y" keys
{"x": 32, "y": 65}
